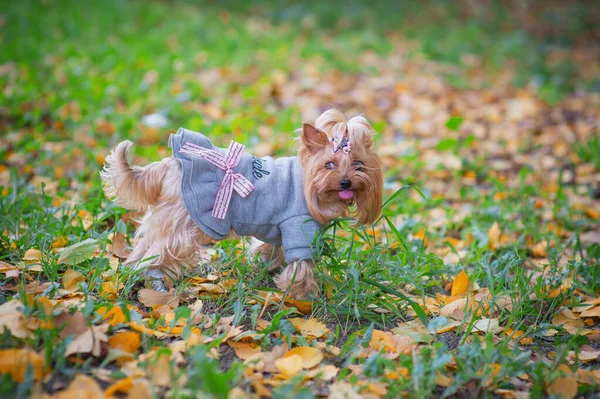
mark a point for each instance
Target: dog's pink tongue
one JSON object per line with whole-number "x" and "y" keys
{"x": 346, "y": 194}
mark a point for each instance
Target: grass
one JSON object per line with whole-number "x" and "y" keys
{"x": 78, "y": 77}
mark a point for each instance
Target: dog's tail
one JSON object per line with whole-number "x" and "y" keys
{"x": 133, "y": 187}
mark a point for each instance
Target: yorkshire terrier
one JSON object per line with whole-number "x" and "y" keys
{"x": 203, "y": 193}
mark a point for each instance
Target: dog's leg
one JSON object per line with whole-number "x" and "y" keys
{"x": 268, "y": 253}
{"x": 299, "y": 278}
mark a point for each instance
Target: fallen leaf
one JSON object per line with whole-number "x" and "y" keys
{"x": 289, "y": 366}
{"x": 460, "y": 284}
{"x": 159, "y": 370}
{"x": 310, "y": 356}
{"x": 122, "y": 386}
{"x": 126, "y": 341}
{"x": 81, "y": 387}
{"x": 309, "y": 329}
{"x": 13, "y": 320}
{"x": 245, "y": 350}
{"x": 494, "y": 236}
{"x": 16, "y": 362}
{"x": 89, "y": 341}
{"x": 79, "y": 252}
{"x": 565, "y": 387}
{"x": 151, "y": 298}
{"x": 70, "y": 324}
{"x": 32, "y": 254}
{"x": 113, "y": 316}
{"x": 486, "y": 326}
{"x": 382, "y": 339}
{"x": 588, "y": 377}
{"x": 119, "y": 247}
{"x": 71, "y": 279}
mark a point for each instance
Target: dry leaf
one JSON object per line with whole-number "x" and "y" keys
{"x": 32, "y": 254}
{"x": 460, "y": 284}
{"x": 89, "y": 341}
{"x": 81, "y": 387}
{"x": 121, "y": 386}
{"x": 245, "y": 350}
{"x": 159, "y": 370}
{"x": 151, "y": 298}
{"x": 71, "y": 280}
{"x": 494, "y": 236}
{"x": 16, "y": 362}
{"x": 486, "y": 326}
{"x": 126, "y": 341}
{"x": 119, "y": 247}
{"x": 70, "y": 324}
{"x": 310, "y": 356}
{"x": 309, "y": 329}
{"x": 382, "y": 339}
{"x": 289, "y": 366}
{"x": 13, "y": 320}
{"x": 565, "y": 387}
{"x": 113, "y": 316}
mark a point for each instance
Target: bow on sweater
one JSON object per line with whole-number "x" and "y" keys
{"x": 231, "y": 181}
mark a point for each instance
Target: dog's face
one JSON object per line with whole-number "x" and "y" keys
{"x": 341, "y": 169}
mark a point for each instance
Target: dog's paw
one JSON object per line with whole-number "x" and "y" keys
{"x": 299, "y": 280}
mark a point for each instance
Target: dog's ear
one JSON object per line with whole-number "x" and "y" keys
{"x": 313, "y": 137}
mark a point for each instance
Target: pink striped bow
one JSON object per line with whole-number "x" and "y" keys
{"x": 231, "y": 181}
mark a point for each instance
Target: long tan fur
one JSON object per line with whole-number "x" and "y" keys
{"x": 169, "y": 239}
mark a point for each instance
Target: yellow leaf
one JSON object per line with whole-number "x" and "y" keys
{"x": 126, "y": 341}
{"x": 494, "y": 236}
{"x": 592, "y": 213}
{"x": 13, "y": 320}
{"x": 244, "y": 350}
{"x": 71, "y": 280}
{"x": 593, "y": 312}
{"x": 421, "y": 235}
{"x": 310, "y": 356}
{"x": 565, "y": 387}
{"x": 16, "y": 361}
{"x": 159, "y": 370}
{"x": 588, "y": 377}
{"x": 381, "y": 338}
{"x": 289, "y": 366}
{"x": 152, "y": 298}
{"x": 32, "y": 254}
{"x": 109, "y": 291}
{"x": 81, "y": 387}
{"x": 460, "y": 284}
{"x": 60, "y": 242}
{"x": 311, "y": 328}
{"x": 121, "y": 386}
{"x": 113, "y": 315}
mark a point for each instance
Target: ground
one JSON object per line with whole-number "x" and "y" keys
{"x": 480, "y": 279}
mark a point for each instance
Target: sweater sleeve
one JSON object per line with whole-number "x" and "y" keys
{"x": 298, "y": 234}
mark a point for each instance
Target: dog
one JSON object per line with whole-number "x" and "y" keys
{"x": 203, "y": 193}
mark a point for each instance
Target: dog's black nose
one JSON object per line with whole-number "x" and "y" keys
{"x": 345, "y": 184}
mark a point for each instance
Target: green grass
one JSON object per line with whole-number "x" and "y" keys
{"x": 78, "y": 77}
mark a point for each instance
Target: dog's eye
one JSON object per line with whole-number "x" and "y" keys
{"x": 358, "y": 165}
{"x": 329, "y": 165}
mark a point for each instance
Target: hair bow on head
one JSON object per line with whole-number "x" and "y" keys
{"x": 344, "y": 145}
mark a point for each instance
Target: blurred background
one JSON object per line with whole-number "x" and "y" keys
{"x": 522, "y": 77}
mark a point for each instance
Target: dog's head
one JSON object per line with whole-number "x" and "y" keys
{"x": 340, "y": 168}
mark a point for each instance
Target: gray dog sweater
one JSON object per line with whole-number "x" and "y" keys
{"x": 274, "y": 212}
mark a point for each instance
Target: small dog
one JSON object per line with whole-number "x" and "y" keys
{"x": 203, "y": 193}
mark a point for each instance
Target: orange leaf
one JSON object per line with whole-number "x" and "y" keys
{"x": 382, "y": 338}
{"x": 310, "y": 356}
{"x": 127, "y": 341}
{"x": 460, "y": 284}
{"x": 71, "y": 280}
{"x": 494, "y": 236}
{"x": 16, "y": 361}
{"x": 289, "y": 366}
